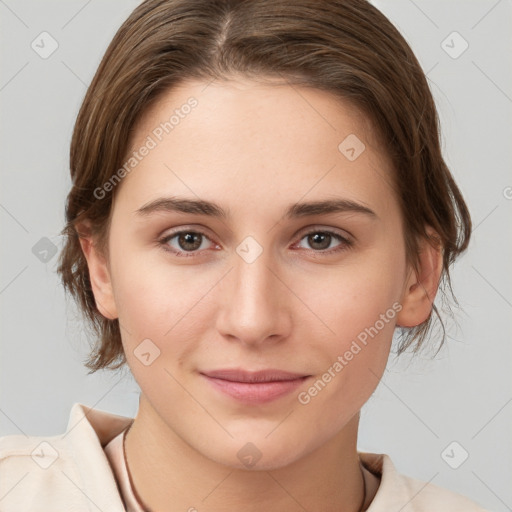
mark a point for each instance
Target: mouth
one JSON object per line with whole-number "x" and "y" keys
{"x": 254, "y": 387}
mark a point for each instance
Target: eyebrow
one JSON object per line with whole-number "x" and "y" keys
{"x": 297, "y": 210}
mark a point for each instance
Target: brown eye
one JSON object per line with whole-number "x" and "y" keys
{"x": 189, "y": 241}
{"x": 319, "y": 240}
{"x": 325, "y": 241}
{"x": 182, "y": 242}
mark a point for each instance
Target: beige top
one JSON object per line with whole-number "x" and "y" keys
{"x": 83, "y": 470}
{"x": 115, "y": 454}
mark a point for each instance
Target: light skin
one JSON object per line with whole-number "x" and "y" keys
{"x": 256, "y": 150}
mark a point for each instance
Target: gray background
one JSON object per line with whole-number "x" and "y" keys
{"x": 422, "y": 405}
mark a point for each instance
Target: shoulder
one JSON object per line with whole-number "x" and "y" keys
{"x": 68, "y": 471}
{"x": 400, "y": 492}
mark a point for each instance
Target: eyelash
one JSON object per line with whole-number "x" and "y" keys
{"x": 344, "y": 245}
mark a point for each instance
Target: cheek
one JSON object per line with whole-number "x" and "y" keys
{"x": 351, "y": 360}
{"x": 358, "y": 307}
{"x": 157, "y": 301}
{"x": 348, "y": 299}
{"x": 149, "y": 288}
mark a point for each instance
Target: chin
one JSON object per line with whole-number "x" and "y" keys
{"x": 260, "y": 454}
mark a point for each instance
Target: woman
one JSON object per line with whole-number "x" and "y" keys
{"x": 259, "y": 200}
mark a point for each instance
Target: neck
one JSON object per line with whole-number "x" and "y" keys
{"x": 170, "y": 475}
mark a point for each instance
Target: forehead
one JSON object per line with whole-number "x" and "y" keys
{"x": 260, "y": 141}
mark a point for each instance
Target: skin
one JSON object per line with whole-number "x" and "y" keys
{"x": 255, "y": 149}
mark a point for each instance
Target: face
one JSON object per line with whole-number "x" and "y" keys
{"x": 245, "y": 238}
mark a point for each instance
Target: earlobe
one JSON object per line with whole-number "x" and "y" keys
{"x": 99, "y": 274}
{"x": 422, "y": 284}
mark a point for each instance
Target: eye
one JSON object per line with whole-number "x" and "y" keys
{"x": 322, "y": 241}
{"x": 186, "y": 241}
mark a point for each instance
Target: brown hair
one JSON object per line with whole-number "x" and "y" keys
{"x": 345, "y": 47}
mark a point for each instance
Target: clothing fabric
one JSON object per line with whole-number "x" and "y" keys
{"x": 84, "y": 470}
{"x": 115, "y": 454}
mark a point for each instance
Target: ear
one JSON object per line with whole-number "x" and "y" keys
{"x": 422, "y": 284}
{"x": 99, "y": 273}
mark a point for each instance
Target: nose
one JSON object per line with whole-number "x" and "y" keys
{"x": 254, "y": 302}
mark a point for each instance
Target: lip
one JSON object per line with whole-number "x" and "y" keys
{"x": 254, "y": 387}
